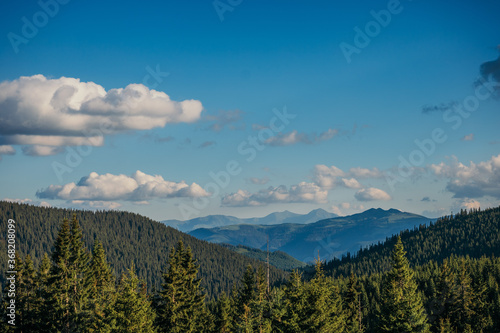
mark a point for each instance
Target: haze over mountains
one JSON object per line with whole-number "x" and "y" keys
{"x": 213, "y": 221}
{"x": 328, "y": 238}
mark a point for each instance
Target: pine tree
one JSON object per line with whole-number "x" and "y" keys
{"x": 402, "y": 308}
{"x": 463, "y": 311}
{"x": 294, "y": 303}
{"x": 353, "y": 306}
{"x": 102, "y": 291}
{"x": 69, "y": 281}
{"x": 43, "y": 295}
{"x": 260, "y": 305}
{"x": 443, "y": 300}
{"x": 133, "y": 311}
{"x": 323, "y": 305}
{"x": 181, "y": 306}
{"x": 27, "y": 305}
{"x": 223, "y": 316}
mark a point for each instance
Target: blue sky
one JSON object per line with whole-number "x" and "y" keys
{"x": 139, "y": 106}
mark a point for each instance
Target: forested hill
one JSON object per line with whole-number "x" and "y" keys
{"x": 127, "y": 239}
{"x": 475, "y": 234}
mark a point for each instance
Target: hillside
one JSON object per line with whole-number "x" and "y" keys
{"x": 278, "y": 259}
{"x": 327, "y": 238}
{"x": 473, "y": 234}
{"x": 213, "y": 221}
{"x": 127, "y": 239}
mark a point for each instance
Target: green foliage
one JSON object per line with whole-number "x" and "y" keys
{"x": 181, "y": 305}
{"x": 75, "y": 292}
{"x": 402, "y": 309}
{"x": 133, "y": 310}
{"x": 128, "y": 239}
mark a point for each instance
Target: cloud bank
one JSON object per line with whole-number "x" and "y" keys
{"x": 138, "y": 187}
{"x": 47, "y": 112}
{"x": 473, "y": 180}
{"x": 301, "y": 193}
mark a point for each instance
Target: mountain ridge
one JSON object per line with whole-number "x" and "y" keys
{"x": 212, "y": 221}
{"x": 329, "y": 238}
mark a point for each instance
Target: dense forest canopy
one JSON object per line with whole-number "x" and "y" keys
{"x": 127, "y": 239}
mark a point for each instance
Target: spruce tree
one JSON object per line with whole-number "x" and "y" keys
{"x": 102, "y": 292}
{"x": 43, "y": 294}
{"x": 133, "y": 311}
{"x": 26, "y": 297}
{"x": 353, "y": 306}
{"x": 323, "y": 305}
{"x": 294, "y": 304}
{"x": 223, "y": 314}
{"x": 69, "y": 281}
{"x": 181, "y": 306}
{"x": 402, "y": 308}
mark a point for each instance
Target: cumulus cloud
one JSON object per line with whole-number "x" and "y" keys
{"x": 470, "y": 204}
{"x": 371, "y": 194}
{"x": 330, "y": 177}
{"x": 6, "y": 150}
{"x": 473, "y": 180}
{"x": 65, "y": 111}
{"x": 327, "y": 177}
{"x": 303, "y": 192}
{"x": 469, "y": 137}
{"x": 294, "y": 137}
{"x": 109, "y": 187}
{"x": 344, "y": 207}
{"x": 366, "y": 173}
{"x": 94, "y": 205}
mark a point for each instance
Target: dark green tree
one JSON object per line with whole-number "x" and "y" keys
{"x": 323, "y": 305}
{"x": 181, "y": 306}
{"x": 402, "y": 308}
{"x": 352, "y": 306}
{"x": 133, "y": 311}
{"x": 223, "y": 314}
{"x": 293, "y": 315}
{"x": 102, "y": 291}
{"x": 69, "y": 281}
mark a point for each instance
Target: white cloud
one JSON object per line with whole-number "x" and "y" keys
{"x": 6, "y": 150}
{"x": 327, "y": 177}
{"x": 371, "y": 193}
{"x": 109, "y": 187}
{"x": 345, "y": 207}
{"x": 93, "y": 205}
{"x": 350, "y": 183}
{"x": 330, "y": 177}
{"x": 473, "y": 180}
{"x": 470, "y": 204}
{"x": 366, "y": 173}
{"x": 303, "y": 192}
{"x": 65, "y": 111}
{"x": 294, "y": 137}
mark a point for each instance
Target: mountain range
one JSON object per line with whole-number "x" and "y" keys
{"x": 213, "y": 221}
{"x": 328, "y": 238}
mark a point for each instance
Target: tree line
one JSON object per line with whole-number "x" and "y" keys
{"x": 75, "y": 290}
{"x": 128, "y": 239}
